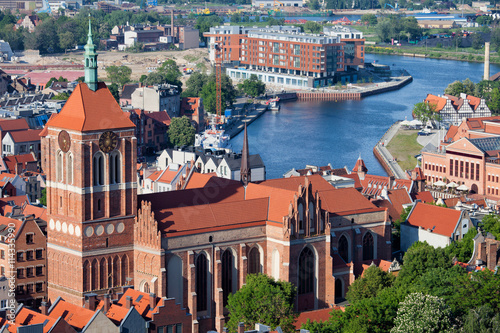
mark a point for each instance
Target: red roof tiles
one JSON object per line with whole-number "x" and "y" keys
{"x": 346, "y": 201}
{"x": 29, "y": 135}
{"x": 440, "y": 220}
{"x": 7, "y": 125}
{"x": 88, "y": 110}
{"x": 74, "y": 315}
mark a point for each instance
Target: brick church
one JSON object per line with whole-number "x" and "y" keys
{"x": 197, "y": 244}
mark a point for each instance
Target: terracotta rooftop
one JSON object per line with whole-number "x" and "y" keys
{"x": 29, "y": 135}
{"x": 373, "y": 185}
{"x": 88, "y": 110}
{"x": 439, "y": 102}
{"x": 18, "y": 200}
{"x": 12, "y": 160}
{"x": 140, "y": 301}
{"x": 7, "y": 125}
{"x": 190, "y": 105}
{"x": 74, "y": 315}
{"x": 116, "y": 312}
{"x": 315, "y": 315}
{"x": 292, "y": 183}
{"x": 27, "y": 317}
{"x": 424, "y": 196}
{"x": 346, "y": 201}
{"x": 440, "y": 220}
{"x": 360, "y": 166}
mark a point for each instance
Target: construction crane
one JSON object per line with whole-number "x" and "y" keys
{"x": 218, "y": 81}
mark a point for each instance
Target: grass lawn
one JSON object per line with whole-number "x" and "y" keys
{"x": 404, "y": 147}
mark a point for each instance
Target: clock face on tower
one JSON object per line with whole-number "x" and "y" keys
{"x": 108, "y": 141}
{"x": 64, "y": 141}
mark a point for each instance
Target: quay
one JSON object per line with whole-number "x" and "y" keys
{"x": 383, "y": 155}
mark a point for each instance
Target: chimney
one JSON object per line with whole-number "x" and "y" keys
{"x": 128, "y": 302}
{"x": 90, "y": 301}
{"x": 487, "y": 60}
{"x": 241, "y": 327}
{"x": 152, "y": 300}
{"x": 107, "y": 303}
{"x": 44, "y": 308}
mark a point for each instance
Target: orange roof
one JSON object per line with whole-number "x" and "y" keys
{"x": 417, "y": 174}
{"x": 28, "y": 135}
{"x": 292, "y": 183}
{"x": 440, "y": 220}
{"x": 346, "y": 201}
{"x": 382, "y": 264}
{"x": 116, "y": 312}
{"x": 140, "y": 301}
{"x": 74, "y": 315}
{"x": 164, "y": 176}
{"x": 439, "y": 102}
{"x": 452, "y": 131}
{"x": 8, "y": 221}
{"x": 360, "y": 166}
{"x": 474, "y": 101}
{"x": 12, "y": 160}
{"x": 355, "y": 176}
{"x": 373, "y": 185}
{"x": 279, "y": 199}
{"x": 190, "y": 105}
{"x": 29, "y": 317}
{"x": 315, "y": 315}
{"x": 88, "y": 110}
{"x": 398, "y": 198}
{"x": 199, "y": 180}
{"x": 424, "y": 196}
{"x": 7, "y": 125}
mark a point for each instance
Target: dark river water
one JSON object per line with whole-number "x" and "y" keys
{"x": 319, "y": 133}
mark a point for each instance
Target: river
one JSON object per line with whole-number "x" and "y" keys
{"x": 319, "y": 133}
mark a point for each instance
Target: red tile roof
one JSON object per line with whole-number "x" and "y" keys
{"x": 355, "y": 176}
{"x": 12, "y": 160}
{"x": 346, "y": 201}
{"x": 424, "y": 196}
{"x": 452, "y": 131}
{"x": 27, "y": 317}
{"x": 164, "y": 176}
{"x": 190, "y": 105}
{"x": 7, "y": 125}
{"x": 88, "y": 110}
{"x": 74, "y": 315}
{"x": 29, "y": 135}
{"x": 140, "y": 301}
{"x": 373, "y": 185}
{"x": 360, "y": 166}
{"x": 116, "y": 312}
{"x": 440, "y": 102}
{"x": 292, "y": 183}
{"x": 18, "y": 200}
{"x": 279, "y": 199}
{"x": 439, "y": 219}
{"x": 160, "y": 116}
{"x": 315, "y": 315}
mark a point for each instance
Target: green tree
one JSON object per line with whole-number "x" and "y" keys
{"x": 262, "y": 300}
{"x": 494, "y": 101}
{"x": 477, "y": 41}
{"x": 455, "y": 88}
{"x": 491, "y": 223}
{"x": 313, "y": 27}
{"x": 208, "y": 93}
{"x": 43, "y": 198}
{"x": 423, "y": 313}
{"x": 171, "y": 72}
{"x": 482, "y": 319}
{"x": 369, "y": 285}
{"x": 67, "y": 40}
{"x": 181, "y": 132}
{"x": 253, "y": 86}
{"x": 369, "y": 19}
{"x": 463, "y": 248}
{"x": 53, "y": 79}
{"x": 61, "y": 97}
{"x": 425, "y": 111}
{"x": 195, "y": 84}
{"x": 313, "y": 4}
{"x": 119, "y": 75}
{"x": 420, "y": 258}
{"x": 113, "y": 89}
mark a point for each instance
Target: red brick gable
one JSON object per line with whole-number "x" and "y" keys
{"x": 88, "y": 110}
{"x": 440, "y": 220}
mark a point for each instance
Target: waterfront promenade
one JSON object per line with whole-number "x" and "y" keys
{"x": 385, "y": 158}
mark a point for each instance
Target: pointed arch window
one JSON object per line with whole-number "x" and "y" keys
{"x": 344, "y": 248}
{"x": 201, "y": 282}
{"x": 254, "y": 261}
{"x": 368, "y": 246}
{"x": 312, "y": 226}
{"x": 227, "y": 275}
{"x": 115, "y": 167}
{"x": 306, "y": 271}
{"x": 98, "y": 169}
{"x": 70, "y": 169}
{"x": 59, "y": 166}
{"x": 301, "y": 217}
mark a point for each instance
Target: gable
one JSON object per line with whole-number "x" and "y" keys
{"x": 464, "y": 145}
{"x": 100, "y": 324}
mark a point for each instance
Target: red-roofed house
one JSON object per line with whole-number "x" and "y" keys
{"x": 27, "y": 320}
{"x": 18, "y": 164}
{"x": 22, "y": 142}
{"x": 164, "y": 180}
{"x": 192, "y": 107}
{"x": 436, "y": 225}
{"x": 453, "y": 109}
{"x": 12, "y": 125}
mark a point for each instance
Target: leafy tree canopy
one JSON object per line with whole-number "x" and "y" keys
{"x": 262, "y": 300}
{"x": 208, "y": 93}
{"x": 119, "y": 75}
{"x": 253, "y": 86}
{"x": 425, "y": 111}
{"x": 491, "y": 223}
{"x": 53, "y": 79}
{"x": 181, "y": 132}
{"x": 373, "y": 281}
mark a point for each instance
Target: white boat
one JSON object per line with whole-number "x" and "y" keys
{"x": 274, "y": 104}
{"x": 213, "y": 138}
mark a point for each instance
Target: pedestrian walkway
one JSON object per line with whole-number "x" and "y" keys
{"x": 386, "y": 156}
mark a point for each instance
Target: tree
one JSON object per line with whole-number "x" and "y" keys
{"x": 61, "y": 97}
{"x": 113, "y": 89}
{"x": 463, "y": 248}
{"x": 423, "y": 313}
{"x": 67, "y": 40}
{"x": 253, "y": 86}
{"x": 424, "y": 112}
{"x": 494, "y": 101}
{"x": 491, "y": 223}
{"x": 477, "y": 41}
{"x": 167, "y": 73}
{"x": 454, "y": 89}
{"x": 43, "y": 198}
{"x": 482, "y": 319}
{"x": 195, "y": 84}
{"x": 262, "y": 300}
{"x": 373, "y": 280}
{"x": 208, "y": 93}
{"x": 53, "y": 79}
{"x": 181, "y": 132}
{"x": 369, "y": 19}
{"x": 313, "y": 4}
{"x": 119, "y": 75}
{"x": 313, "y": 27}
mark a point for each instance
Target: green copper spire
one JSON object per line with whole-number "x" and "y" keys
{"x": 90, "y": 62}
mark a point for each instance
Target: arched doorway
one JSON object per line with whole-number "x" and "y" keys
{"x": 339, "y": 290}
{"x": 473, "y": 189}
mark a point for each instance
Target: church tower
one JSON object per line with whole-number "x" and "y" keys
{"x": 245, "y": 172}
{"x": 89, "y": 157}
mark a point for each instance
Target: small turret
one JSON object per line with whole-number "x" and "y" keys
{"x": 90, "y": 62}
{"x": 360, "y": 168}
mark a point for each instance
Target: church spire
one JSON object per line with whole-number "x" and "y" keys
{"x": 245, "y": 173}
{"x": 90, "y": 62}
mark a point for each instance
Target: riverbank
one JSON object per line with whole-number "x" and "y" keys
{"x": 432, "y": 54}
{"x": 248, "y": 115}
